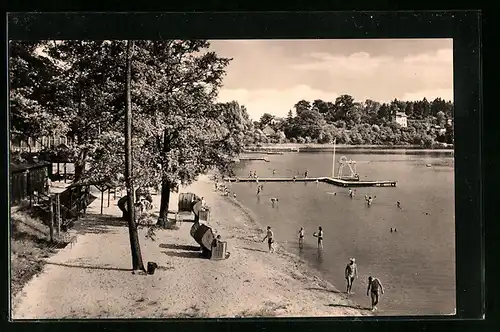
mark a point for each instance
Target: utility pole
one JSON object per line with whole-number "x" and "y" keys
{"x": 137, "y": 263}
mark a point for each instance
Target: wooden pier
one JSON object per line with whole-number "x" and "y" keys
{"x": 334, "y": 181}
{"x": 254, "y": 158}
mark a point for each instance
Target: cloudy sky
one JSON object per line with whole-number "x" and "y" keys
{"x": 270, "y": 76}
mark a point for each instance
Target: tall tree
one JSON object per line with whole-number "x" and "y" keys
{"x": 137, "y": 263}
{"x": 34, "y": 86}
{"x": 266, "y": 120}
{"x": 178, "y": 82}
{"x": 301, "y": 106}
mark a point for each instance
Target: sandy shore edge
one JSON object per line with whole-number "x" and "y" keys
{"x": 92, "y": 279}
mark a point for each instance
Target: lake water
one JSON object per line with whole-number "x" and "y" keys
{"x": 416, "y": 265}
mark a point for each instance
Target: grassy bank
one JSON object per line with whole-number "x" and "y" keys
{"x": 30, "y": 244}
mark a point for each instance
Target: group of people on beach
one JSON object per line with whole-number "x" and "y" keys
{"x": 375, "y": 288}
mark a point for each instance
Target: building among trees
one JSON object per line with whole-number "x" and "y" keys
{"x": 401, "y": 119}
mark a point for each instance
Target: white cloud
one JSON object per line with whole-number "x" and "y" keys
{"x": 356, "y": 63}
{"x": 446, "y": 94}
{"x": 442, "y": 56}
{"x": 277, "y": 102}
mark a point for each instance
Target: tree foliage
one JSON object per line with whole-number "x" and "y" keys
{"x": 368, "y": 122}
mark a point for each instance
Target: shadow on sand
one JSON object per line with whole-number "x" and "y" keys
{"x": 90, "y": 267}
{"x": 179, "y": 247}
{"x": 183, "y": 254}
{"x": 325, "y": 290}
{"x": 96, "y": 223}
{"x": 337, "y": 305}
{"x": 252, "y": 249}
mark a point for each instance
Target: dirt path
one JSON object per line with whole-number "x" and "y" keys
{"x": 92, "y": 278}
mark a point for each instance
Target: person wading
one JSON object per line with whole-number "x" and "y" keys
{"x": 301, "y": 238}
{"x": 375, "y": 289}
{"x": 351, "y": 273}
{"x": 319, "y": 235}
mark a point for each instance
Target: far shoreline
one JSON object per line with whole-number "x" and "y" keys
{"x": 319, "y": 147}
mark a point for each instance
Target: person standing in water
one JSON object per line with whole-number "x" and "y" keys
{"x": 274, "y": 171}
{"x": 301, "y": 238}
{"x": 305, "y": 173}
{"x": 375, "y": 289}
{"x": 319, "y": 235}
{"x": 270, "y": 239}
{"x": 258, "y": 190}
{"x": 351, "y": 273}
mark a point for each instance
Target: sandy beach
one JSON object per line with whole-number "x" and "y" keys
{"x": 92, "y": 277}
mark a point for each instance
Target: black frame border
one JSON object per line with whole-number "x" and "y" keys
{"x": 463, "y": 26}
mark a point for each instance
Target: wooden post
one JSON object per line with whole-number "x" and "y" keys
{"x": 102, "y": 198}
{"x": 58, "y": 214}
{"x": 84, "y": 201}
{"x": 51, "y": 219}
{"x": 64, "y": 172}
{"x": 58, "y": 169}
{"x": 109, "y": 193}
{"x": 114, "y": 193}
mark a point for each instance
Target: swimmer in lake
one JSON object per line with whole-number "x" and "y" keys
{"x": 301, "y": 238}
{"x": 398, "y": 204}
{"x": 369, "y": 200}
{"x": 234, "y": 195}
{"x": 319, "y": 235}
{"x": 351, "y": 273}
{"x": 274, "y": 200}
{"x": 375, "y": 289}
{"x": 294, "y": 178}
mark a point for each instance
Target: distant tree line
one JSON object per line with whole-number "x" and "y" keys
{"x": 356, "y": 123}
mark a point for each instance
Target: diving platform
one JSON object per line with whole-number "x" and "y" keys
{"x": 334, "y": 181}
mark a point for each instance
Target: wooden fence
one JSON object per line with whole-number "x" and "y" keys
{"x": 25, "y": 179}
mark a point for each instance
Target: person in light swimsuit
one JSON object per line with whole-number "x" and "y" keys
{"x": 351, "y": 273}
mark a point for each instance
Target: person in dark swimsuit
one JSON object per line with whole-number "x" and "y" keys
{"x": 375, "y": 289}
{"x": 301, "y": 237}
{"x": 270, "y": 238}
{"x": 319, "y": 235}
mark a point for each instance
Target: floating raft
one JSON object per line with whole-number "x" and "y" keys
{"x": 334, "y": 181}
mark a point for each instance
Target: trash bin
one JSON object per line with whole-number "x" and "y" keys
{"x": 152, "y": 267}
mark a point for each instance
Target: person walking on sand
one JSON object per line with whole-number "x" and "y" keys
{"x": 319, "y": 235}
{"x": 375, "y": 289}
{"x": 351, "y": 273}
{"x": 270, "y": 239}
{"x": 301, "y": 238}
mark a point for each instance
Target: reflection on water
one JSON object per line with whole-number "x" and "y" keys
{"x": 416, "y": 264}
